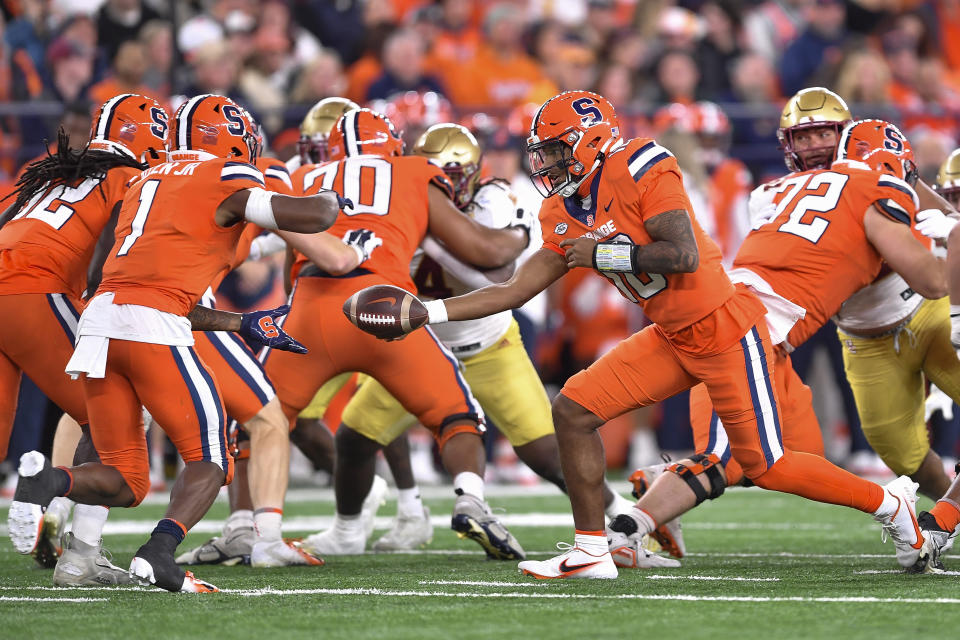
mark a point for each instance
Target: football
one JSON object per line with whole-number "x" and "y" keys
{"x": 385, "y": 311}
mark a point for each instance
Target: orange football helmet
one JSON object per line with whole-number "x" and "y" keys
{"x": 131, "y": 124}
{"x": 363, "y": 132}
{"x": 415, "y": 111}
{"x": 880, "y": 145}
{"x": 215, "y": 125}
{"x": 569, "y": 138}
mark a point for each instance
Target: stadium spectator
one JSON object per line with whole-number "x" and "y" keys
{"x": 403, "y": 67}
{"x": 864, "y": 78}
{"x": 121, "y": 20}
{"x": 214, "y": 70}
{"x": 129, "y": 67}
{"x": 754, "y": 125}
{"x": 265, "y": 79}
{"x": 677, "y": 77}
{"x": 156, "y": 37}
{"x": 320, "y": 78}
{"x": 719, "y": 47}
{"x": 773, "y": 25}
{"x": 573, "y": 66}
{"x": 817, "y": 49}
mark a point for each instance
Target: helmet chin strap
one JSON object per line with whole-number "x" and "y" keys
{"x": 572, "y": 187}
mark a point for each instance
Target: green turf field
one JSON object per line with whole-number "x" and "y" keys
{"x": 760, "y": 565}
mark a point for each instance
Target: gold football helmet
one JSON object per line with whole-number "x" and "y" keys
{"x": 948, "y": 178}
{"x": 809, "y": 109}
{"x": 453, "y": 148}
{"x": 316, "y": 127}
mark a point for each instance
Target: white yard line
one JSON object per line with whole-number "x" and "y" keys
{"x": 711, "y": 578}
{"x": 478, "y": 583}
{"x": 29, "y": 599}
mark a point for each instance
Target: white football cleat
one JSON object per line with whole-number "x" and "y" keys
{"x": 902, "y": 526}
{"x": 633, "y": 555}
{"x": 280, "y": 553}
{"x": 333, "y": 542}
{"x": 82, "y": 564}
{"x": 376, "y": 498}
{"x": 407, "y": 533}
{"x": 233, "y": 547}
{"x": 573, "y": 563}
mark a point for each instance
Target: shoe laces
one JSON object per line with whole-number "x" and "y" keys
{"x": 566, "y": 547}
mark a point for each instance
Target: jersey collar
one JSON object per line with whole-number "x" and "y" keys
{"x": 586, "y": 217}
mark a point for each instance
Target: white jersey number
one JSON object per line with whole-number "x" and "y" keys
{"x": 818, "y": 202}
{"x": 39, "y": 206}
{"x": 376, "y": 174}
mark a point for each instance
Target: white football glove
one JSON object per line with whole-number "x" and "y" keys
{"x": 937, "y": 401}
{"x": 363, "y": 241}
{"x": 760, "y": 206}
{"x": 266, "y": 245}
{"x": 934, "y": 224}
{"x": 523, "y": 219}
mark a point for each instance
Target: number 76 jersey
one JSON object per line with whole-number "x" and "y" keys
{"x": 814, "y": 251}
{"x": 389, "y": 196}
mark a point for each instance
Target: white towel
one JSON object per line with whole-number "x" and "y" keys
{"x": 781, "y": 313}
{"x": 89, "y": 357}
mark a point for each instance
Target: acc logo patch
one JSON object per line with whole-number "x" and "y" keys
{"x": 560, "y": 229}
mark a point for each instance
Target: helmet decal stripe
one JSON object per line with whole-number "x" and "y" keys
{"x": 536, "y": 118}
{"x": 351, "y": 133}
{"x": 185, "y": 120}
{"x": 106, "y": 115}
{"x": 842, "y": 151}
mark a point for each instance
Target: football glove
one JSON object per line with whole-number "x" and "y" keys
{"x": 363, "y": 241}
{"x": 259, "y": 327}
{"x": 523, "y": 219}
{"x": 934, "y": 224}
{"x": 937, "y": 401}
{"x": 266, "y": 245}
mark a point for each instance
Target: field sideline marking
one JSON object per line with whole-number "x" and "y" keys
{"x": 478, "y": 583}
{"x": 268, "y": 591}
{"x": 730, "y": 578}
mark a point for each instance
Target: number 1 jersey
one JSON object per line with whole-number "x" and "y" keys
{"x": 169, "y": 247}
{"x": 815, "y": 252}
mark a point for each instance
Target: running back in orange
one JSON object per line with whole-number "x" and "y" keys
{"x": 390, "y": 198}
{"x": 637, "y": 182}
{"x": 165, "y": 255}
{"x": 47, "y": 246}
{"x": 815, "y": 252}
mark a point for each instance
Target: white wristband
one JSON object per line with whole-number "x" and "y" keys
{"x": 436, "y": 311}
{"x": 359, "y": 251}
{"x": 259, "y": 210}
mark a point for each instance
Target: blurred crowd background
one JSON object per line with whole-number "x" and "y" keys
{"x": 707, "y": 77}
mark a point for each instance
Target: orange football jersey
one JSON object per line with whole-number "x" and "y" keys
{"x": 390, "y": 199}
{"x": 638, "y": 181}
{"x": 815, "y": 252}
{"x": 169, "y": 247}
{"x": 47, "y": 247}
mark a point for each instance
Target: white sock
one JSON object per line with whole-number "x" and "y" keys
{"x": 349, "y": 525}
{"x": 469, "y": 482}
{"x": 888, "y": 507}
{"x": 61, "y": 504}
{"x": 595, "y": 545}
{"x": 88, "y": 521}
{"x": 409, "y": 503}
{"x": 239, "y": 519}
{"x": 618, "y": 505}
{"x": 266, "y": 522}
{"x": 645, "y": 523}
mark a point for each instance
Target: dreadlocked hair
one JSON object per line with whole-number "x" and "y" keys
{"x": 66, "y": 166}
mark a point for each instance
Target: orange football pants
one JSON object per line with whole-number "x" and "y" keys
{"x": 648, "y": 367}
{"x": 39, "y": 343}
{"x": 418, "y": 370}
{"x": 239, "y": 374}
{"x": 177, "y": 388}
{"x": 800, "y": 428}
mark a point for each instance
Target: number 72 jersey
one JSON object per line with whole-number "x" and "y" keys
{"x": 814, "y": 251}
{"x": 389, "y": 196}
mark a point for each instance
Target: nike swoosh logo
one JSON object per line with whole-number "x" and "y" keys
{"x": 607, "y": 208}
{"x": 571, "y": 568}
{"x": 391, "y": 299}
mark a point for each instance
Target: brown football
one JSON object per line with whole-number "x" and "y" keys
{"x": 385, "y": 311}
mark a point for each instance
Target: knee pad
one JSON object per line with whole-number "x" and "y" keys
{"x": 448, "y": 431}
{"x": 238, "y": 441}
{"x": 701, "y": 463}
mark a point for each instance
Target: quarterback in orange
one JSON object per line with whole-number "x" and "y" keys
{"x": 178, "y": 228}
{"x": 618, "y": 206}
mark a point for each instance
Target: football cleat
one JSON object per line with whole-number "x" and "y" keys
{"x": 407, "y": 533}
{"x": 152, "y": 566}
{"x": 912, "y": 547}
{"x": 631, "y": 554}
{"x": 574, "y": 562}
{"x": 83, "y": 564}
{"x": 333, "y": 542}
{"x": 669, "y": 535}
{"x": 473, "y": 519}
{"x": 280, "y": 553}
{"x": 36, "y": 487}
{"x": 233, "y": 547}
{"x": 49, "y": 547}
{"x": 940, "y": 540}
{"x": 375, "y": 499}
